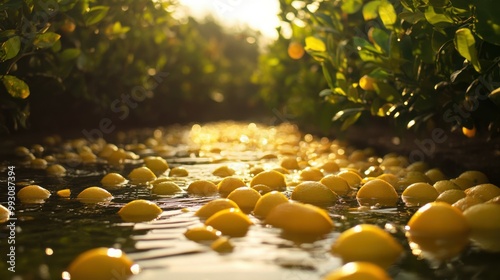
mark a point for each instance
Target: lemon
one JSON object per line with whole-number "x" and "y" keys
{"x": 108, "y": 150}
{"x": 336, "y": 184}
{"x": 222, "y": 245}
{"x": 435, "y": 175}
{"x": 411, "y": 178}
{"x": 39, "y": 163}
{"x": 377, "y": 192}
{"x": 202, "y": 233}
{"x": 451, "y": 196}
{"x": 139, "y": 210}
{"x": 367, "y": 83}
{"x": 165, "y": 188}
{"x": 367, "y": 243}
{"x": 444, "y": 185}
{"x": 290, "y": 163}
{"x": 281, "y": 170}
{"x": 156, "y": 164}
{"x": 245, "y": 197}
{"x": 117, "y": 157}
{"x": 495, "y": 200}
{"x": 477, "y": 177}
{"x": 256, "y": 170}
{"x": 223, "y": 171}
{"x": 64, "y": 193}
{"x": 373, "y": 171}
{"x": 202, "y": 187}
{"x": 311, "y": 174}
{"x": 228, "y": 185}
{"x": 439, "y": 230}
{"x": 420, "y": 166}
{"x": 389, "y": 178}
{"x": 262, "y": 189}
{"x": 101, "y": 264}
{"x": 295, "y": 50}
{"x": 358, "y": 271}
{"x": 141, "y": 175}
{"x": 232, "y": 222}
{"x": 267, "y": 202}
{"x": 56, "y": 170}
{"x": 33, "y": 194}
{"x": 314, "y": 193}
{"x": 466, "y": 202}
{"x": 418, "y": 194}
{"x": 113, "y": 180}
{"x": 88, "y": 157}
{"x": 21, "y": 151}
{"x": 463, "y": 183}
{"x": 271, "y": 178}
{"x": 299, "y": 218}
{"x": 178, "y": 172}
{"x": 484, "y": 221}
{"x": 484, "y": 191}
{"x": 94, "y": 195}
{"x": 214, "y": 206}
{"x": 352, "y": 178}
{"x": 357, "y": 155}
{"x": 329, "y": 166}
{"x": 4, "y": 214}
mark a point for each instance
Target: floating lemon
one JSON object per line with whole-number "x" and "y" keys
{"x": 178, "y": 172}
{"x": 418, "y": 194}
{"x": 202, "y": 233}
{"x": 202, "y": 187}
{"x": 377, "y": 192}
{"x": 412, "y": 177}
{"x": 352, "y": 178}
{"x": 420, "y": 166}
{"x": 444, "y": 185}
{"x": 299, "y": 218}
{"x": 165, "y": 188}
{"x": 435, "y": 175}
{"x": 463, "y": 183}
{"x": 156, "y": 164}
{"x": 389, "y": 178}
{"x": 451, "y": 196}
{"x": 139, "y": 210}
{"x": 214, "y": 206}
{"x": 229, "y": 184}
{"x": 4, "y": 214}
{"x": 117, "y": 157}
{"x": 495, "y": 200}
{"x": 245, "y": 197}
{"x": 64, "y": 193}
{"x": 484, "y": 191}
{"x": 281, "y": 170}
{"x": 56, "y": 170}
{"x": 222, "y": 245}
{"x": 223, "y": 171}
{"x": 438, "y": 230}
{"x": 267, "y": 202}
{"x": 311, "y": 174}
{"x": 466, "y": 202}
{"x": 39, "y": 163}
{"x": 367, "y": 243}
{"x": 272, "y": 179}
{"x": 113, "y": 180}
{"x": 336, "y": 184}
{"x": 476, "y": 177}
{"x": 21, "y": 151}
{"x": 256, "y": 170}
{"x": 358, "y": 271}
{"x": 314, "y": 193}
{"x": 484, "y": 221}
{"x": 33, "y": 194}
{"x": 101, "y": 264}
{"x": 290, "y": 163}
{"x": 262, "y": 189}
{"x": 330, "y": 166}
{"x": 141, "y": 175}
{"x": 94, "y": 195}
{"x": 230, "y": 222}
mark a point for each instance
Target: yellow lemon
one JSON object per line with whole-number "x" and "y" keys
{"x": 139, "y": 210}
{"x": 229, "y": 184}
{"x": 245, "y": 197}
{"x": 439, "y": 230}
{"x": 94, "y": 195}
{"x": 113, "y": 180}
{"x": 39, "y": 163}
{"x": 336, "y": 184}
{"x": 466, "y": 202}
{"x": 281, "y": 170}
{"x": 202, "y": 187}
{"x": 262, "y": 189}
{"x": 358, "y": 271}
{"x": 329, "y": 166}
{"x": 477, "y": 177}
{"x": 223, "y": 171}
{"x": 463, "y": 183}
{"x": 484, "y": 191}
{"x": 156, "y": 164}
{"x": 202, "y": 233}
{"x": 4, "y": 214}
{"x": 232, "y": 222}
{"x": 412, "y": 177}
{"x": 290, "y": 163}
{"x": 141, "y": 175}
{"x": 256, "y": 170}
{"x": 299, "y": 218}
{"x": 444, "y": 185}
{"x": 451, "y": 196}
{"x": 214, "y": 206}
{"x": 222, "y": 245}
{"x": 418, "y": 194}
{"x": 178, "y": 172}
{"x": 311, "y": 174}
{"x": 352, "y": 178}
{"x": 165, "y": 188}
{"x": 101, "y": 264}
{"x": 420, "y": 166}
{"x": 389, "y": 178}
{"x": 33, "y": 194}
{"x": 495, "y": 200}
{"x": 267, "y": 202}
{"x": 367, "y": 83}
{"x": 484, "y": 221}
{"x": 64, "y": 193}
{"x": 314, "y": 193}
{"x": 56, "y": 170}
{"x": 272, "y": 179}
{"x": 377, "y": 192}
{"x": 435, "y": 175}
{"x": 367, "y": 243}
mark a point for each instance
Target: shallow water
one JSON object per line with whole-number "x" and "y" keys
{"x": 50, "y": 235}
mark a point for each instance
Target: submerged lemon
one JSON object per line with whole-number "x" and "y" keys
{"x": 4, "y": 214}
{"x": 267, "y": 202}
{"x": 202, "y": 233}
{"x": 223, "y": 171}
{"x": 299, "y": 218}
{"x": 165, "y": 188}
{"x": 94, "y": 195}
{"x": 156, "y": 164}
{"x": 451, "y": 196}
{"x": 311, "y": 174}
{"x": 262, "y": 189}
{"x": 352, "y": 178}
{"x": 484, "y": 221}
{"x": 272, "y": 179}
{"x": 444, "y": 185}
{"x": 476, "y": 177}
{"x": 377, "y": 192}
{"x": 141, "y": 175}
{"x": 418, "y": 194}
{"x": 222, "y": 245}
{"x": 64, "y": 193}
{"x": 358, "y": 271}
{"x": 113, "y": 180}
{"x": 33, "y": 194}
{"x": 229, "y": 184}
{"x": 290, "y": 163}
{"x": 484, "y": 191}
{"x": 435, "y": 175}
{"x": 214, "y": 206}
{"x": 178, "y": 172}
{"x": 139, "y": 210}
{"x": 314, "y": 193}
{"x": 367, "y": 243}
{"x": 245, "y": 197}
{"x": 101, "y": 264}
{"x": 466, "y": 202}
{"x": 56, "y": 170}
{"x": 336, "y": 184}
{"x": 202, "y": 187}
{"x": 232, "y": 222}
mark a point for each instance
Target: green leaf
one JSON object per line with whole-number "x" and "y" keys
{"x": 314, "y": 44}
{"x": 382, "y": 39}
{"x": 386, "y": 92}
{"x": 46, "y": 40}
{"x": 350, "y": 121}
{"x": 95, "y": 15}
{"x": 412, "y": 17}
{"x": 329, "y": 73}
{"x": 437, "y": 17}
{"x": 437, "y": 3}
{"x": 351, "y": 6}
{"x": 10, "y": 48}
{"x": 325, "y": 92}
{"x": 465, "y": 44}
{"x": 387, "y": 14}
{"x": 15, "y": 87}
{"x": 487, "y": 24}
{"x": 370, "y": 10}
{"x": 69, "y": 54}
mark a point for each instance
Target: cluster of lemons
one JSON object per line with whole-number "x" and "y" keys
{"x": 292, "y": 186}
